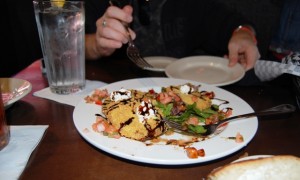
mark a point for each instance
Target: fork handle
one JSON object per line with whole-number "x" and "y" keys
{"x": 130, "y": 41}
{"x": 281, "y": 109}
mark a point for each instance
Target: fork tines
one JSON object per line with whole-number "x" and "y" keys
{"x": 173, "y": 124}
{"x": 134, "y": 56}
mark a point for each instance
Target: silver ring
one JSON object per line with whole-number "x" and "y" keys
{"x": 104, "y": 23}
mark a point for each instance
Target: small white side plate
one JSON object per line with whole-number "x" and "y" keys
{"x": 159, "y": 63}
{"x": 205, "y": 69}
{"x": 13, "y": 89}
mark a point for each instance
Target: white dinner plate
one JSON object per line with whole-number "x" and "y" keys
{"x": 159, "y": 63}
{"x": 160, "y": 153}
{"x": 14, "y": 89}
{"x": 206, "y": 69}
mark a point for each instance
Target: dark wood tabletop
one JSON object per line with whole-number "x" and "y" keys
{"x": 64, "y": 154}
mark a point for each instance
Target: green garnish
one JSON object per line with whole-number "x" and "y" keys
{"x": 191, "y": 111}
{"x": 197, "y": 129}
{"x": 166, "y": 109}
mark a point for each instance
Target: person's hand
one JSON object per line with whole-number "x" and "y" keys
{"x": 242, "y": 48}
{"x": 110, "y": 34}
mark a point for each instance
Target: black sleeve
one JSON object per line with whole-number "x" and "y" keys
{"x": 94, "y": 9}
{"x": 206, "y": 25}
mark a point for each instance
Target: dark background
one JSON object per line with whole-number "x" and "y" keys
{"x": 21, "y": 41}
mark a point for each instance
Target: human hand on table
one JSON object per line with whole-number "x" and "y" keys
{"x": 243, "y": 49}
{"x": 110, "y": 34}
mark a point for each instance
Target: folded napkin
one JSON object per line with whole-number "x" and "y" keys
{"x": 14, "y": 157}
{"x": 268, "y": 70}
{"x": 70, "y": 99}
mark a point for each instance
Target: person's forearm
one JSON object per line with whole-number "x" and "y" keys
{"x": 91, "y": 52}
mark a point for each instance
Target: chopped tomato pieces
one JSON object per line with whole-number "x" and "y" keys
{"x": 228, "y": 112}
{"x": 102, "y": 126}
{"x": 201, "y": 152}
{"x": 167, "y": 97}
{"x": 97, "y": 96}
{"x": 164, "y": 98}
{"x": 194, "y": 153}
{"x": 210, "y": 95}
{"x": 193, "y": 121}
{"x": 151, "y": 91}
{"x": 98, "y": 102}
{"x": 194, "y": 98}
{"x": 239, "y": 138}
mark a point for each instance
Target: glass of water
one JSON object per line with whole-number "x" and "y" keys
{"x": 61, "y": 31}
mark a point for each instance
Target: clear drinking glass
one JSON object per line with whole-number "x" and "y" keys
{"x": 4, "y": 128}
{"x": 61, "y": 31}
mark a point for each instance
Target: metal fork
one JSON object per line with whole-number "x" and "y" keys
{"x": 133, "y": 52}
{"x": 212, "y": 128}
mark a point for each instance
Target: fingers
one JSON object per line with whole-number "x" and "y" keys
{"x": 246, "y": 57}
{"x": 233, "y": 55}
{"x": 251, "y": 56}
{"x": 244, "y": 51}
{"x": 123, "y": 15}
{"x": 110, "y": 30}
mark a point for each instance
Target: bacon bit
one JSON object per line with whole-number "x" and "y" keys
{"x": 210, "y": 95}
{"x": 228, "y": 112}
{"x": 174, "y": 96}
{"x": 201, "y": 152}
{"x": 164, "y": 98}
{"x": 192, "y": 120}
{"x": 212, "y": 119}
{"x": 151, "y": 91}
{"x": 181, "y": 107}
{"x": 194, "y": 153}
{"x": 172, "y": 142}
{"x": 239, "y": 138}
{"x": 208, "y": 121}
{"x": 194, "y": 98}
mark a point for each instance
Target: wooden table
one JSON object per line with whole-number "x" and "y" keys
{"x": 64, "y": 154}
